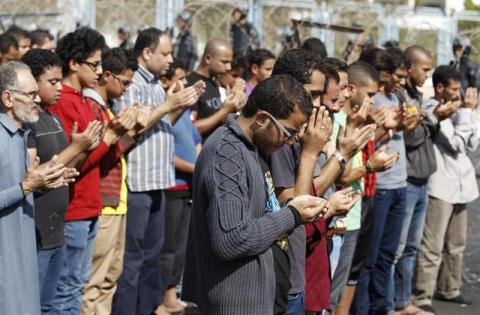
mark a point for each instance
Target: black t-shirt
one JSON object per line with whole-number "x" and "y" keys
{"x": 210, "y": 102}
{"x": 280, "y": 256}
{"x": 48, "y": 137}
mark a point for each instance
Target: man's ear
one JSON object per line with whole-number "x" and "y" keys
{"x": 207, "y": 58}
{"x": 254, "y": 69}
{"x": 7, "y": 99}
{"x": 107, "y": 75}
{"x": 146, "y": 53}
{"x": 353, "y": 89}
{"x": 262, "y": 118}
{"x": 73, "y": 65}
{"x": 439, "y": 88}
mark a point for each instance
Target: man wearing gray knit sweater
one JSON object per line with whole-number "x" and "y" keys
{"x": 229, "y": 258}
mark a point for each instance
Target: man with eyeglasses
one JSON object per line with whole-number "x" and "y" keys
{"x": 80, "y": 53}
{"x": 20, "y": 177}
{"x": 236, "y": 217}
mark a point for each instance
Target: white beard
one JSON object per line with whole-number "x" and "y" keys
{"x": 24, "y": 115}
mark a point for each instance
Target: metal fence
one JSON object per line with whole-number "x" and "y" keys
{"x": 429, "y": 27}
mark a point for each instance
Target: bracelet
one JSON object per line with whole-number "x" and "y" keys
{"x": 341, "y": 160}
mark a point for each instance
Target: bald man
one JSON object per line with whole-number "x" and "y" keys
{"x": 210, "y": 111}
{"x": 420, "y": 165}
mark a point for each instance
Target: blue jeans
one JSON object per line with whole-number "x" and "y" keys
{"x": 75, "y": 273}
{"x": 50, "y": 263}
{"x": 295, "y": 304}
{"x": 371, "y": 296}
{"x": 411, "y": 236}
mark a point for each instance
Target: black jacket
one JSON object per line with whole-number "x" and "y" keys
{"x": 421, "y": 161}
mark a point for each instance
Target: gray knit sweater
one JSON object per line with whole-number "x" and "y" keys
{"x": 229, "y": 264}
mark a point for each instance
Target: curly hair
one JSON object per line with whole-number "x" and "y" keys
{"x": 79, "y": 45}
{"x": 299, "y": 63}
{"x": 40, "y": 60}
{"x": 278, "y": 95}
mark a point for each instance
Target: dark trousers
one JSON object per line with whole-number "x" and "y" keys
{"x": 177, "y": 220}
{"x": 371, "y": 296}
{"x": 139, "y": 287}
{"x": 281, "y": 264}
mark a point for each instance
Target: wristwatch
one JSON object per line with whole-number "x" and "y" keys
{"x": 341, "y": 160}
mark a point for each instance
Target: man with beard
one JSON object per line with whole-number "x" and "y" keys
{"x": 48, "y": 138}
{"x": 236, "y": 217}
{"x": 19, "y": 291}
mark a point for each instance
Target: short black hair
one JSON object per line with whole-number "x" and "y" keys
{"x": 315, "y": 45}
{"x": 39, "y": 36}
{"x": 360, "y": 73}
{"x": 445, "y": 75}
{"x": 132, "y": 62}
{"x": 336, "y": 64}
{"x": 79, "y": 45}
{"x": 399, "y": 58}
{"x": 6, "y": 42}
{"x": 149, "y": 37}
{"x": 259, "y": 56}
{"x": 299, "y": 63}
{"x": 329, "y": 71}
{"x": 239, "y": 61}
{"x": 18, "y": 32}
{"x": 278, "y": 95}
{"x": 116, "y": 61}
{"x": 379, "y": 59}
{"x": 177, "y": 64}
{"x": 40, "y": 60}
